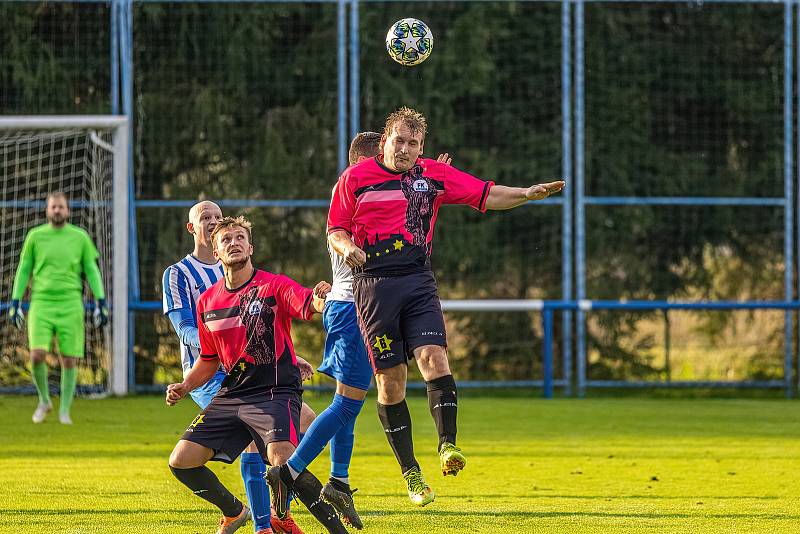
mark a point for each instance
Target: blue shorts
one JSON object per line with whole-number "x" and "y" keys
{"x": 202, "y": 396}
{"x": 345, "y": 357}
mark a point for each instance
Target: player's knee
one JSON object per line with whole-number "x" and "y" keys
{"x": 175, "y": 460}
{"x": 391, "y": 392}
{"x": 432, "y": 362}
{"x": 307, "y": 417}
{"x": 279, "y": 452}
{"x": 182, "y": 458}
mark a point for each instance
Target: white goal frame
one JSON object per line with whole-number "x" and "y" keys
{"x": 120, "y": 234}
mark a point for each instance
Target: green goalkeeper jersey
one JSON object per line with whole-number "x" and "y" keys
{"x": 57, "y": 257}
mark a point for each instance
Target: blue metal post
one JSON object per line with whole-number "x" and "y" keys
{"x": 788, "y": 219}
{"x": 341, "y": 74}
{"x": 114, "y": 57}
{"x": 566, "y": 207}
{"x": 126, "y": 38}
{"x": 547, "y": 352}
{"x": 355, "y": 96}
{"x": 580, "y": 216}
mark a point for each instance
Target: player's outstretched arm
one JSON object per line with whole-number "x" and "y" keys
{"x": 344, "y": 246}
{"x": 502, "y": 197}
{"x": 200, "y": 373}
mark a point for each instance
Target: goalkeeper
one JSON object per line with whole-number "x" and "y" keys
{"x": 57, "y": 254}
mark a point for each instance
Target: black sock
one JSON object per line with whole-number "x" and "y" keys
{"x": 339, "y": 485}
{"x": 443, "y": 402}
{"x": 397, "y": 425}
{"x": 205, "y": 484}
{"x": 307, "y": 488}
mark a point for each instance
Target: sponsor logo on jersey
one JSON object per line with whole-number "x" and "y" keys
{"x": 255, "y": 307}
{"x": 420, "y": 186}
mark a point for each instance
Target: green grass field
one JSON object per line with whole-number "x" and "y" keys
{"x": 597, "y": 465}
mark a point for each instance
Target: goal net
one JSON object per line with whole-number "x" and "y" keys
{"x": 87, "y": 159}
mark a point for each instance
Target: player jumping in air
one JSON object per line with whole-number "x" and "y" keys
{"x": 244, "y": 323}
{"x": 58, "y": 255}
{"x": 381, "y": 221}
{"x": 183, "y": 283}
{"x": 346, "y": 361}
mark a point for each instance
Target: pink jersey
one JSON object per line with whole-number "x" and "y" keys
{"x": 391, "y": 215}
{"x": 249, "y": 331}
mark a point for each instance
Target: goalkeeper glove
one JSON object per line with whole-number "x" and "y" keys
{"x": 15, "y": 314}
{"x": 100, "y": 314}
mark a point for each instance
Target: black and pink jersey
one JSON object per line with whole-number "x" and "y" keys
{"x": 391, "y": 215}
{"x": 249, "y": 330}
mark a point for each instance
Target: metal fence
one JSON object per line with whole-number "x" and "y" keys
{"x": 564, "y": 96}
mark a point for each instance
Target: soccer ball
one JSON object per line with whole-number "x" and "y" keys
{"x": 409, "y": 42}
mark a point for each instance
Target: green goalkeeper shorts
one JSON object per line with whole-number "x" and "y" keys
{"x": 60, "y": 319}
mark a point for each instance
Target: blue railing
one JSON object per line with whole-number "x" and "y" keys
{"x": 549, "y": 307}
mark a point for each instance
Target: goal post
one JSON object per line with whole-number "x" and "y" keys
{"x": 87, "y": 157}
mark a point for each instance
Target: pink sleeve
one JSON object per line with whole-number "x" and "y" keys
{"x": 296, "y": 299}
{"x": 343, "y": 206}
{"x": 208, "y": 349}
{"x": 463, "y": 188}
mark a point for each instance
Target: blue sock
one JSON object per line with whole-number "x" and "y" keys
{"x": 341, "y": 411}
{"x": 342, "y": 451}
{"x": 253, "y": 473}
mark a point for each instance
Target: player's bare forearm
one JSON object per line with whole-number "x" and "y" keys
{"x": 340, "y": 241}
{"x": 502, "y": 197}
{"x": 200, "y": 373}
{"x": 344, "y": 246}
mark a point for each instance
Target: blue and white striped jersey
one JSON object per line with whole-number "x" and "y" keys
{"x": 183, "y": 283}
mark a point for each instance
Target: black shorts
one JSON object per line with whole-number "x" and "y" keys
{"x": 228, "y": 427}
{"x": 397, "y": 314}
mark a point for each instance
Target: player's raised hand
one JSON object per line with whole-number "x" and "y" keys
{"x": 15, "y": 314}
{"x": 306, "y": 369}
{"x": 176, "y": 392}
{"x": 354, "y": 256}
{"x": 540, "y": 191}
{"x": 444, "y": 158}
